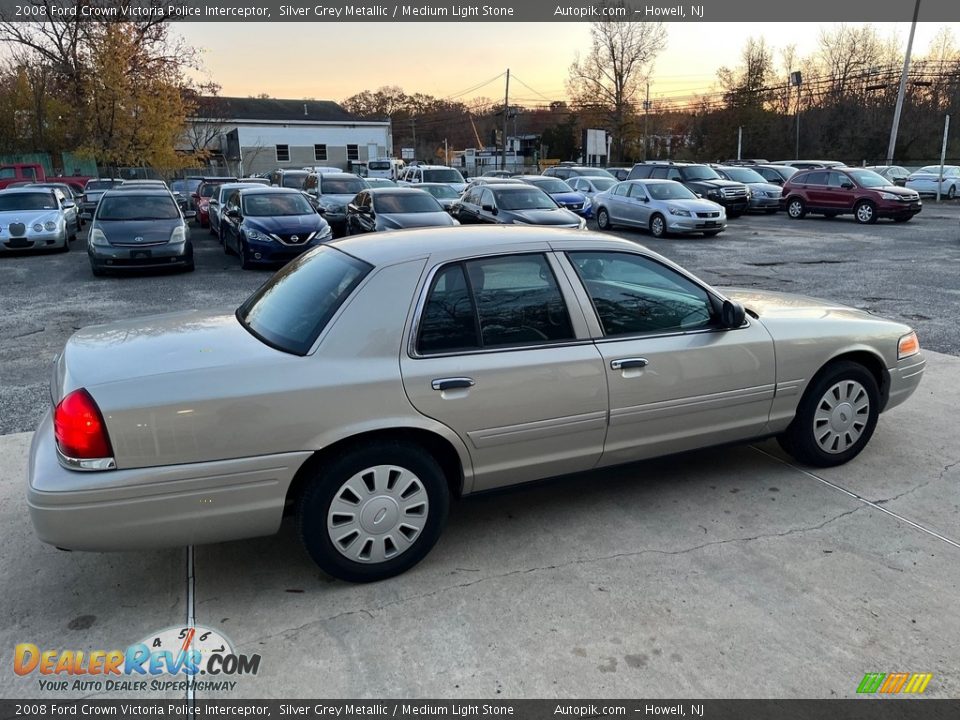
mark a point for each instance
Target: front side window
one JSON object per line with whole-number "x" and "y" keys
{"x": 494, "y": 303}
{"x": 634, "y": 295}
{"x": 814, "y": 178}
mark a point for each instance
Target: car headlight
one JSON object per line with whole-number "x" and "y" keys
{"x": 37, "y": 227}
{"x": 713, "y": 193}
{"x": 97, "y": 237}
{"x": 178, "y": 235}
{"x": 889, "y": 196}
{"x": 679, "y": 211}
{"x": 258, "y": 236}
{"x": 908, "y": 345}
{"x": 587, "y": 203}
{"x": 49, "y": 226}
{"x": 325, "y": 234}
{"x": 582, "y": 225}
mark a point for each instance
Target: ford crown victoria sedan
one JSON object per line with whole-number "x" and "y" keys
{"x": 376, "y": 377}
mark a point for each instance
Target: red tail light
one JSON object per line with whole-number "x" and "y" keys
{"x": 79, "y": 427}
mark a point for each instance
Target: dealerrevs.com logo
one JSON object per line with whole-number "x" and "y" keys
{"x": 170, "y": 660}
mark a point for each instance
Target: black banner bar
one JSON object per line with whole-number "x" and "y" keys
{"x": 860, "y": 709}
{"x": 482, "y": 11}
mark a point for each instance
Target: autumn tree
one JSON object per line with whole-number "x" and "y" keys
{"x": 607, "y": 80}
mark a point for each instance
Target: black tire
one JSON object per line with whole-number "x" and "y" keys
{"x": 603, "y": 219}
{"x": 211, "y": 230}
{"x": 314, "y": 505}
{"x": 658, "y": 225}
{"x": 227, "y": 250}
{"x": 66, "y": 246}
{"x": 245, "y": 263}
{"x": 97, "y": 270}
{"x": 796, "y": 208}
{"x": 865, "y": 212}
{"x": 800, "y": 438}
{"x": 952, "y": 192}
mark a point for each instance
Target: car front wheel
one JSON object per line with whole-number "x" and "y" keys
{"x": 658, "y": 226}
{"x": 603, "y": 219}
{"x": 865, "y": 212}
{"x": 952, "y": 192}
{"x": 374, "y": 511}
{"x": 836, "y": 416}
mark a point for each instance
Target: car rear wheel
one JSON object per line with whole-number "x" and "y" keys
{"x": 66, "y": 245}
{"x": 244, "y": 251}
{"x": 952, "y": 192}
{"x": 796, "y": 208}
{"x": 865, "y": 212}
{"x": 836, "y": 416}
{"x": 374, "y": 511}
{"x": 603, "y": 219}
{"x": 658, "y": 226}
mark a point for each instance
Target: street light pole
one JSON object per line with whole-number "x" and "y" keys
{"x": 903, "y": 87}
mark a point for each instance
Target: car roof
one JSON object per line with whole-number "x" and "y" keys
{"x": 23, "y": 190}
{"x": 143, "y": 190}
{"x": 395, "y": 191}
{"x": 381, "y": 249}
{"x": 255, "y": 189}
{"x": 434, "y": 167}
{"x": 337, "y": 175}
{"x": 649, "y": 181}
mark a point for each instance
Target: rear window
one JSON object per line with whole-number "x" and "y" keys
{"x": 101, "y": 184}
{"x": 444, "y": 176}
{"x": 293, "y": 180}
{"x": 291, "y": 309}
{"x": 378, "y": 165}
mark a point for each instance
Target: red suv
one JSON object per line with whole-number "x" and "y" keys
{"x": 839, "y": 191}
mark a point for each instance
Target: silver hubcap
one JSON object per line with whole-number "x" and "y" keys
{"x": 378, "y": 514}
{"x": 841, "y": 416}
{"x": 864, "y": 213}
{"x": 657, "y": 226}
{"x": 795, "y": 209}
{"x": 602, "y": 218}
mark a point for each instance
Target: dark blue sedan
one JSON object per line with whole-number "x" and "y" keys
{"x": 270, "y": 225}
{"x": 565, "y": 196}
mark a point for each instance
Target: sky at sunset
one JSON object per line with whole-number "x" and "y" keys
{"x": 328, "y": 61}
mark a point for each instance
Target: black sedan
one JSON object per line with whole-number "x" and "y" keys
{"x": 514, "y": 205}
{"x": 397, "y": 208}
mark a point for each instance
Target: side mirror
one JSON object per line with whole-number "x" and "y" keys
{"x": 732, "y": 314}
{"x": 67, "y": 204}
{"x": 487, "y": 208}
{"x": 232, "y": 212}
{"x": 847, "y": 186}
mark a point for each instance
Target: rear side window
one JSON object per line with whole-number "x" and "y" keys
{"x": 291, "y": 309}
{"x": 494, "y": 303}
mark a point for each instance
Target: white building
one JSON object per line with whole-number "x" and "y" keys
{"x": 256, "y": 135}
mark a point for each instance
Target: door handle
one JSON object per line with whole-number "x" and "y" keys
{"x": 454, "y": 383}
{"x": 627, "y": 363}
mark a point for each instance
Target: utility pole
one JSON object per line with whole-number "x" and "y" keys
{"x": 903, "y": 88}
{"x": 446, "y": 153}
{"x": 646, "y": 121}
{"x": 413, "y": 129}
{"x": 506, "y": 106}
{"x": 796, "y": 80}
{"x": 943, "y": 155}
{"x": 739, "y": 140}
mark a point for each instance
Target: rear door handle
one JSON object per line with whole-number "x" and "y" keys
{"x": 626, "y": 363}
{"x": 454, "y": 383}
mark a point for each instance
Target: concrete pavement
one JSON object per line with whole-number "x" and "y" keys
{"x": 724, "y": 573}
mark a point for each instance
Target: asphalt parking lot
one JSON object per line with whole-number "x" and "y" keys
{"x": 723, "y": 573}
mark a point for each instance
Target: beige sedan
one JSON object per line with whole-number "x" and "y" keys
{"x": 374, "y": 378}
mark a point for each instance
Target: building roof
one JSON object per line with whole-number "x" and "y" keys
{"x": 273, "y": 109}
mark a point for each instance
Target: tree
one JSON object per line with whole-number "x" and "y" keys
{"x": 608, "y": 79}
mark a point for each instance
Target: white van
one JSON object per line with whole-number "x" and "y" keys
{"x": 416, "y": 174}
{"x": 385, "y": 168}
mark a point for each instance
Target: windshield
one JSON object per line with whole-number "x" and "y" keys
{"x": 446, "y": 175}
{"x": 592, "y": 172}
{"x": 341, "y": 186}
{"x": 378, "y": 165}
{"x": 101, "y": 184}
{"x": 185, "y": 187}
{"x": 441, "y": 191}
{"x": 291, "y": 309}
{"x": 137, "y": 207}
{"x": 274, "y": 204}
{"x": 869, "y": 179}
{"x": 552, "y": 185}
{"x": 935, "y": 169}
{"x": 524, "y": 199}
{"x": 27, "y": 201}
{"x": 208, "y": 189}
{"x": 669, "y": 191}
{"x": 602, "y": 184}
{"x": 293, "y": 180}
{"x": 406, "y": 203}
{"x": 744, "y": 175}
{"x": 700, "y": 172}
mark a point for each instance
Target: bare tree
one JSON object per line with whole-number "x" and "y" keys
{"x": 608, "y": 79}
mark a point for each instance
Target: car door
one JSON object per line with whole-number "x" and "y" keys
{"x": 231, "y": 222}
{"x": 677, "y": 380}
{"x": 487, "y": 211}
{"x": 638, "y": 204}
{"x": 499, "y": 352}
{"x": 617, "y": 203}
{"x": 363, "y": 218}
{"x": 814, "y": 185}
{"x": 841, "y": 191}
